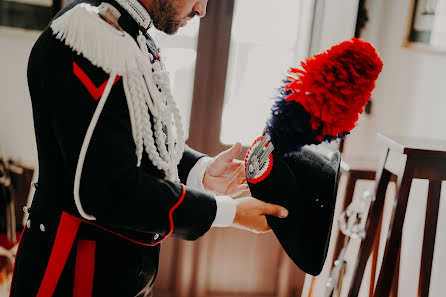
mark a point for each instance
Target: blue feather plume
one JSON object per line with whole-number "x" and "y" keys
{"x": 289, "y": 125}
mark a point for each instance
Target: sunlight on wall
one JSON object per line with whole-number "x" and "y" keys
{"x": 17, "y": 140}
{"x": 438, "y": 37}
{"x": 263, "y": 46}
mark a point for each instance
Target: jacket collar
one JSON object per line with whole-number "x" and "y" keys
{"x": 138, "y": 12}
{"x": 126, "y": 20}
{"x": 135, "y": 18}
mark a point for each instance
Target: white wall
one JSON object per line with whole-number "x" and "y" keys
{"x": 410, "y": 100}
{"x": 334, "y": 22}
{"x": 17, "y": 138}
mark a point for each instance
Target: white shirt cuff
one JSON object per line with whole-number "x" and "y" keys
{"x": 226, "y": 209}
{"x": 226, "y": 206}
{"x": 196, "y": 174}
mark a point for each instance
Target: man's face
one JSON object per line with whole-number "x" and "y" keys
{"x": 169, "y": 15}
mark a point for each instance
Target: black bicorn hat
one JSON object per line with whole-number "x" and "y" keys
{"x": 304, "y": 183}
{"x": 318, "y": 102}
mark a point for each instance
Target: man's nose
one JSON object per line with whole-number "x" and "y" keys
{"x": 200, "y": 8}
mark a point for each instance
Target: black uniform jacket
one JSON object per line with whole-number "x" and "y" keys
{"x": 135, "y": 208}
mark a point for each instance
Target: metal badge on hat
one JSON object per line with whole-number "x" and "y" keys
{"x": 259, "y": 159}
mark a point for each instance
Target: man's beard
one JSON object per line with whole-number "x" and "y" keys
{"x": 164, "y": 15}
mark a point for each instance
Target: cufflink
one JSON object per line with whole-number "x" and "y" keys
{"x": 42, "y": 227}
{"x": 156, "y": 236}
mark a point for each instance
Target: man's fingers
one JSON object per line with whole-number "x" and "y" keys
{"x": 275, "y": 210}
{"x": 232, "y": 153}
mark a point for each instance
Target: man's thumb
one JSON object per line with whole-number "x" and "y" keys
{"x": 275, "y": 210}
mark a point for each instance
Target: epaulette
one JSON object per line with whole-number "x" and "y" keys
{"x": 146, "y": 86}
{"x": 106, "y": 47}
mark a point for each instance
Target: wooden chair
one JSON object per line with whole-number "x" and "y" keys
{"x": 407, "y": 158}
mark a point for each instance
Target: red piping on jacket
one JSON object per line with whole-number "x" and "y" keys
{"x": 183, "y": 194}
{"x": 172, "y": 226}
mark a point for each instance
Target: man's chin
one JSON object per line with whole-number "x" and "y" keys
{"x": 168, "y": 29}
{"x": 172, "y": 32}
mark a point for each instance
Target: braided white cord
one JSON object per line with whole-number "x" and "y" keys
{"x": 162, "y": 78}
{"x": 85, "y": 144}
{"x": 164, "y": 113}
{"x": 148, "y": 138}
{"x": 140, "y": 93}
{"x": 155, "y": 108}
{"x": 166, "y": 118}
{"x": 167, "y": 122}
{"x": 135, "y": 115}
{"x": 137, "y": 91}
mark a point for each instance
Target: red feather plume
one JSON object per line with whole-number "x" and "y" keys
{"x": 334, "y": 86}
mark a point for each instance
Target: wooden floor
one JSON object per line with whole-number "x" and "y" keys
{"x": 227, "y": 262}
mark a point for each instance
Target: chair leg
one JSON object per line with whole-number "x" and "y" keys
{"x": 430, "y": 229}
{"x": 375, "y": 258}
{"x": 393, "y": 243}
{"x": 373, "y": 218}
{"x": 348, "y": 197}
{"x": 396, "y": 276}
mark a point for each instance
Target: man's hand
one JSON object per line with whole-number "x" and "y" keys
{"x": 226, "y": 175}
{"x": 251, "y": 213}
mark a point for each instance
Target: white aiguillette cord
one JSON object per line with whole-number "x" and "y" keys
{"x": 86, "y": 143}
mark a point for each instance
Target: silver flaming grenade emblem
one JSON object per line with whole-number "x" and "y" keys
{"x": 259, "y": 159}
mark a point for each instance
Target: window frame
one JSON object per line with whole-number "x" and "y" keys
{"x": 209, "y": 86}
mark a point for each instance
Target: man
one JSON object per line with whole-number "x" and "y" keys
{"x": 111, "y": 157}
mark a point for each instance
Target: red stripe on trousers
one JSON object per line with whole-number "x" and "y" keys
{"x": 65, "y": 236}
{"x": 83, "y": 279}
{"x": 66, "y": 233}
